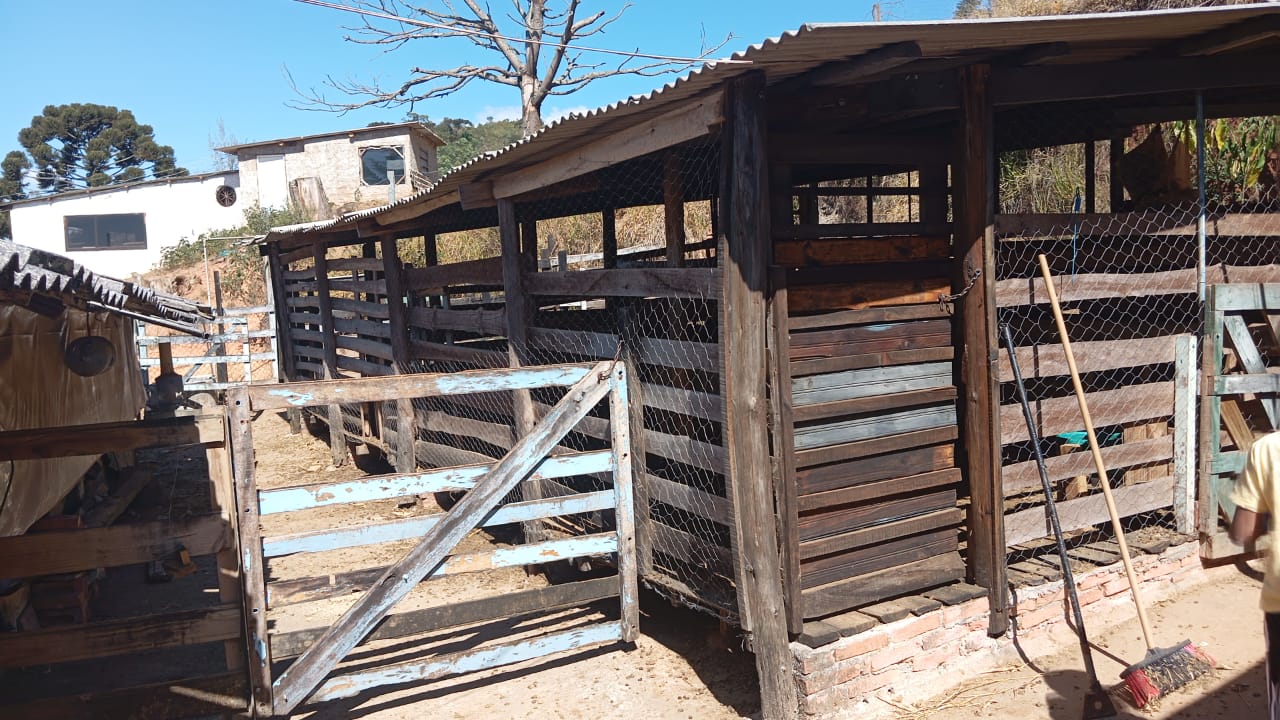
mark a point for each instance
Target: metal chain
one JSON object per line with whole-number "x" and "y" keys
{"x": 944, "y": 300}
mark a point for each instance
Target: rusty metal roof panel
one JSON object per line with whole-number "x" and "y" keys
{"x": 39, "y": 272}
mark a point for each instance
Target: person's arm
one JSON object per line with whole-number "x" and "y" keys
{"x": 1247, "y": 526}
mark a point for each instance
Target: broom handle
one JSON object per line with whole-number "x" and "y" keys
{"x": 1097, "y": 453}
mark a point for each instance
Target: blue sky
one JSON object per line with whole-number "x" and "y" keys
{"x": 182, "y": 66}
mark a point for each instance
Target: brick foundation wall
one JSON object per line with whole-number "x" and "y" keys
{"x": 921, "y": 655}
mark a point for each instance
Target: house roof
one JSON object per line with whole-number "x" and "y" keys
{"x": 30, "y": 273}
{"x": 412, "y": 126}
{"x": 1095, "y": 38}
{"x": 116, "y": 187}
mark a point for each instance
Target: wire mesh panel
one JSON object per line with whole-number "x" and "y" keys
{"x": 1117, "y": 217}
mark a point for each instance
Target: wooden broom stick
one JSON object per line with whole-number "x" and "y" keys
{"x": 1097, "y": 453}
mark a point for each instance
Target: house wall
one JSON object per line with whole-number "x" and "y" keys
{"x": 174, "y": 210}
{"x": 336, "y": 161}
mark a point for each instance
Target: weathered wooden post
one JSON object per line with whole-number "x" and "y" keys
{"x": 397, "y": 312}
{"x": 284, "y": 329}
{"x": 975, "y": 312}
{"x": 743, "y": 329}
{"x": 337, "y": 433}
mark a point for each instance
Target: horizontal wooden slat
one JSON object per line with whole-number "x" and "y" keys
{"x": 1107, "y": 407}
{"x": 363, "y": 367}
{"x": 843, "y": 251}
{"x": 868, "y": 294}
{"x": 857, "y": 429}
{"x": 1025, "y": 525}
{"x": 1097, "y": 356}
{"x": 864, "y": 537}
{"x": 930, "y": 311}
{"x": 324, "y": 392}
{"x": 876, "y": 403}
{"x": 387, "y": 487}
{"x": 314, "y": 588}
{"x": 863, "y": 492}
{"x": 689, "y": 499}
{"x": 851, "y": 593}
{"x": 1253, "y": 296}
{"x": 854, "y": 472}
{"x": 1031, "y": 291}
{"x": 119, "y": 637}
{"x": 342, "y": 284}
{"x": 680, "y": 448}
{"x": 64, "y": 551}
{"x": 467, "y": 612}
{"x": 1240, "y": 384}
{"x": 691, "y": 549}
{"x": 440, "y": 455}
{"x": 888, "y": 554}
{"x": 189, "y": 360}
{"x": 869, "y": 382}
{"x": 374, "y": 533}
{"x": 1143, "y": 222}
{"x": 685, "y": 402}
{"x": 355, "y": 263}
{"x": 494, "y": 433}
{"x": 576, "y": 342}
{"x": 681, "y": 354}
{"x": 308, "y": 273}
{"x": 864, "y": 448}
{"x": 627, "y": 282}
{"x": 435, "y": 278}
{"x": 377, "y": 311}
{"x": 478, "y": 321}
{"x": 859, "y": 230}
{"x": 375, "y": 348}
{"x": 856, "y": 362}
{"x": 842, "y": 519}
{"x": 99, "y": 438}
{"x": 356, "y": 326}
{"x": 1023, "y": 476}
{"x": 462, "y": 353}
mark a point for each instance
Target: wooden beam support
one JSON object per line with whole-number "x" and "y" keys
{"x": 476, "y": 195}
{"x": 1230, "y": 37}
{"x": 873, "y": 62}
{"x": 743, "y": 330}
{"x": 685, "y": 123}
{"x": 673, "y": 207}
{"x": 99, "y": 438}
{"x": 276, "y": 266}
{"x": 328, "y": 343}
{"x": 397, "y": 309}
{"x": 974, "y": 282}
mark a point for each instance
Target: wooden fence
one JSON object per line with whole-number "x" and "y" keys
{"x": 232, "y": 349}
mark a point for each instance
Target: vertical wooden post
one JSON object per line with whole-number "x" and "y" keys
{"x": 222, "y": 493}
{"x": 397, "y": 312}
{"x": 252, "y": 578}
{"x": 673, "y": 207}
{"x": 337, "y": 432}
{"x": 219, "y": 348}
{"x": 1117, "y": 184}
{"x": 519, "y": 313}
{"x": 743, "y": 331}
{"x": 624, "y": 501}
{"x": 1186, "y": 389}
{"x": 285, "y": 358}
{"x": 1090, "y": 175}
{"x": 609, "y": 237}
{"x": 976, "y": 335}
{"x": 933, "y": 194}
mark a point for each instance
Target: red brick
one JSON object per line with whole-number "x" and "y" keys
{"x": 978, "y": 643}
{"x": 1094, "y": 579}
{"x": 914, "y": 627}
{"x": 813, "y": 660}
{"x": 860, "y": 645}
{"x": 1116, "y": 586}
{"x": 1091, "y": 596}
{"x": 832, "y": 676}
{"x": 932, "y": 659}
{"x": 944, "y": 636}
{"x": 870, "y": 683}
{"x": 1045, "y": 614}
{"x": 976, "y": 608}
{"x": 892, "y": 655}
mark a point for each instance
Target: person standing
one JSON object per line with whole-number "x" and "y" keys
{"x": 1257, "y": 498}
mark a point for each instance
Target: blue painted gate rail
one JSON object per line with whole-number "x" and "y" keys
{"x": 315, "y": 674}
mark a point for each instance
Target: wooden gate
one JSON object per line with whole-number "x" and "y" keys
{"x": 1240, "y": 397}
{"x": 554, "y": 476}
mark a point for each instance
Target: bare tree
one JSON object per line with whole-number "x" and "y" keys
{"x": 535, "y": 47}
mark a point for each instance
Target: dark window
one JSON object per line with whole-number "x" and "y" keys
{"x": 376, "y": 162}
{"x": 125, "y": 231}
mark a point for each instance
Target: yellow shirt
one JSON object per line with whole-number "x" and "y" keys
{"x": 1258, "y": 489}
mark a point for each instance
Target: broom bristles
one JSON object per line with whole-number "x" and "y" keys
{"x": 1164, "y": 670}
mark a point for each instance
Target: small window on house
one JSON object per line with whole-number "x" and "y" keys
{"x": 377, "y": 162}
{"x": 124, "y": 231}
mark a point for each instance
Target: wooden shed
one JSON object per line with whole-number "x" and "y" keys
{"x": 804, "y": 252}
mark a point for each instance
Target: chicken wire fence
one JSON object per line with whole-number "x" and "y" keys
{"x": 1118, "y": 220}
{"x": 662, "y": 320}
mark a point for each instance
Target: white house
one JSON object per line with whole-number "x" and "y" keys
{"x": 121, "y": 229}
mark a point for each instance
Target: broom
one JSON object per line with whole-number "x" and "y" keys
{"x": 1162, "y": 670}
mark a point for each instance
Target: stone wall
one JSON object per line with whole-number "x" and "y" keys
{"x": 911, "y": 649}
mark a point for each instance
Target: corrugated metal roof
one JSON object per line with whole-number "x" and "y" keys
{"x": 28, "y": 269}
{"x": 115, "y": 187}
{"x": 367, "y": 130}
{"x": 1093, "y": 38}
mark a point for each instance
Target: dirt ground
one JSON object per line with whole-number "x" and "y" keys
{"x": 684, "y": 666}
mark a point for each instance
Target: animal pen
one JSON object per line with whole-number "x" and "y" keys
{"x": 803, "y": 257}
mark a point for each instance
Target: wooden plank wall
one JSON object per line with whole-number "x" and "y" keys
{"x": 867, "y": 450}
{"x": 213, "y": 617}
